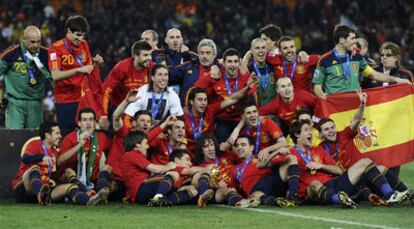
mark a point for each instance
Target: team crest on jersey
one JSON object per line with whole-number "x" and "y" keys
{"x": 316, "y": 158}
{"x": 367, "y": 136}
{"x": 53, "y": 56}
{"x": 265, "y": 139}
{"x": 300, "y": 69}
{"x": 334, "y": 62}
{"x": 354, "y": 67}
{"x": 83, "y": 56}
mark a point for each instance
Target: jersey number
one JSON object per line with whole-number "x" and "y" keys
{"x": 67, "y": 60}
{"x": 20, "y": 67}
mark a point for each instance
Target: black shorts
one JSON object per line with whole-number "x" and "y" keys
{"x": 148, "y": 188}
{"x": 342, "y": 183}
{"x": 120, "y": 193}
{"x": 272, "y": 184}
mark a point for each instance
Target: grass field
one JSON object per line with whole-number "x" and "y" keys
{"x": 117, "y": 215}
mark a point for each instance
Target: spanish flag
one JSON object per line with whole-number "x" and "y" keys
{"x": 386, "y": 134}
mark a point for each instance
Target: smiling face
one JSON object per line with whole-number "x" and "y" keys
{"x": 243, "y": 148}
{"x": 258, "y": 49}
{"x": 288, "y": 50}
{"x": 231, "y": 64}
{"x": 328, "y": 131}
{"x": 251, "y": 116}
{"x": 209, "y": 150}
{"x": 75, "y": 37}
{"x": 143, "y": 123}
{"x": 142, "y": 59}
{"x": 53, "y": 138}
{"x": 160, "y": 79}
{"x": 177, "y": 132}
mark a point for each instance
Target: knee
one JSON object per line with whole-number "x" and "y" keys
{"x": 364, "y": 162}
{"x": 382, "y": 169}
{"x": 291, "y": 159}
{"x": 192, "y": 191}
{"x": 107, "y": 168}
{"x": 69, "y": 172}
{"x": 174, "y": 175}
{"x": 314, "y": 186}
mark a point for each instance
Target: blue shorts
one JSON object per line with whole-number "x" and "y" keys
{"x": 66, "y": 115}
{"x": 148, "y": 188}
{"x": 272, "y": 184}
{"x": 342, "y": 183}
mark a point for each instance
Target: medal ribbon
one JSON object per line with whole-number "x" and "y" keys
{"x": 328, "y": 150}
{"x": 236, "y": 85}
{"x": 259, "y": 129}
{"x": 196, "y": 133}
{"x": 292, "y": 73}
{"x": 78, "y": 58}
{"x": 263, "y": 82}
{"x": 348, "y": 63}
{"x": 239, "y": 173}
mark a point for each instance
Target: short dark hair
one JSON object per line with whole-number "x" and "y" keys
{"x": 194, "y": 91}
{"x": 302, "y": 111}
{"x": 178, "y": 153}
{"x": 153, "y": 72}
{"x": 179, "y": 118}
{"x": 141, "y": 112}
{"x": 46, "y": 128}
{"x": 323, "y": 121}
{"x": 230, "y": 52}
{"x": 86, "y": 110}
{"x": 296, "y": 128}
{"x": 342, "y": 31}
{"x": 199, "y": 156}
{"x": 283, "y": 39}
{"x": 133, "y": 138}
{"x": 250, "y": 139}
{"x": 138, "y": 46}
{"x": 247, "y": 104}
{"x": 271, "y": 31}
{"x": 77, "y": 23}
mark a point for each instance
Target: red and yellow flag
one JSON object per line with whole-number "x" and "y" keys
{"x": 386, "y": 134}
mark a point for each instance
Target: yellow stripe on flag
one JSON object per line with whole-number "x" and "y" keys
{"x": 384, "y": 125}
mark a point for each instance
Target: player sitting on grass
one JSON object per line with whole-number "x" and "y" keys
{"x": 142, "y": 187}
{"x": 258, "y": 180}
{"x": 322, "y": 180}
{"x": 35, "y": 179}
{"x": 219, "y": 164}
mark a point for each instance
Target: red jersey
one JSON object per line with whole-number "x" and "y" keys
{"x": 207, "y": 124}
{"x": 219, "y": 93}
{"x": 287, "y": 111}
{"x": 251, "y": 174}
{"x": 134, "y": 172}
{"x": 116, "y": 152}
{"x": 34, "y": 147}
{"x": 61, "y": 59}
{"x": 302, "y": 78}
{"x": 159, "y": 151}
{"x": 71, "y": 140}
{"x": 344, "y": 151}
{"x": 222, "y": 168}
{"x": 269, "y": 132}
{"x": 123, "y": 78}
{"x": 318, "y": 155}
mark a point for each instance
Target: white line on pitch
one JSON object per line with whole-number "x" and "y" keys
{"x": 317, "y": 218}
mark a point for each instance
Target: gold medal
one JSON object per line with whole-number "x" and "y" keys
{"x": 33, "y": 81}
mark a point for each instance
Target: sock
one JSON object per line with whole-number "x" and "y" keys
{"x": 293, "y": 181}
{"x": 327, "y": 195}
{"x": 179, "y": 197}
{"x": 375, "y": 177}
{"x": 395, "y": 181}
{"x": 76, "y": 195}
{"x": 81, "y": 186}
{"x": 233, "y": 197}
{"x": 203, "y": 184}
{"x": 103, "y": 180}
{"x": 165, "y": 185}
{"x": 35, "y": 182}
{"x": 268, "y": 200}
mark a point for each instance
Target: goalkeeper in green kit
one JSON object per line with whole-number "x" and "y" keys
{"x": 24, "y": 67}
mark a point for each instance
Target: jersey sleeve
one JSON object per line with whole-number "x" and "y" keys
{"x": 269, "y": 108}
{"x": 319, "y": 75}
{"x": 111, "y": 82}
{"x": 273, "y": 128}
{"x": 54, "y": 59}
{"x": 141, "y": 162}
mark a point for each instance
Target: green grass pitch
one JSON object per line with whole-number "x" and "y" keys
{"x": 117, "y": 215}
